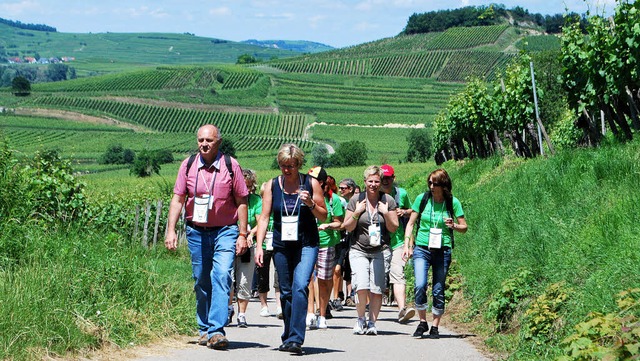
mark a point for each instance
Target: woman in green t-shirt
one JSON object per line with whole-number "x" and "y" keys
{"x": 433, "y": 244}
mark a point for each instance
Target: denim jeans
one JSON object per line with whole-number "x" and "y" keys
{"x": 212, "y": 254}
{"x": 294, "y": 266}
{"x": 439, "y": 261}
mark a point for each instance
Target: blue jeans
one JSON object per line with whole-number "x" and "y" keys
{"x": 439, "y": 261}
{"x": 212, "y": 255}
{"x": 294, "y": 266}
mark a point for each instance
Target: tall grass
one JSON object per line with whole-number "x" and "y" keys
{"x": 69, "y": 290}
{"x": 572, "y": 217}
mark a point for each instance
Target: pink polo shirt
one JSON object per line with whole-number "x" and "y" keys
{"x": 224, "y": 210}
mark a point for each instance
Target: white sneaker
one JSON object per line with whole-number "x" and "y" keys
{"x": 322, "y": 323}
{"x": 311, "y": 321}
{"x": 264, "y": 312}
{"x": 279, "y": 314}
{"x": 359, "y": 328}
{"x": 371, "y": 329}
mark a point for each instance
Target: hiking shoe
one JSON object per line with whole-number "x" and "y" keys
{"x": 230, "y": 314}
{"x": 218, "y": 342}
{"x": 264, "y": 312}
{"x": 328, "y": 314}
{"x": 279, "y": 314}
{"x": 337, "y": 304}
{"x": 433, "y": 332}
{"x": 405, "y": 314}
{"x": 204, "y": 338}
{"x": 322, "y": 323}
{"x": 242, "y": 321}
{"x": 422, "y": 328}
{"x": 359, "y": 328}
{"x": 371, "y": 329}
{"x": 349, "y": 302}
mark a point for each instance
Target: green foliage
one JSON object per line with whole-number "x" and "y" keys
{"x": 506, "y": 301}
{"x": 117, "y": 154}
{"x": 541, "y": 320}
{"x": 349, "y": 154}
{"x": 611, "y": 336}
{"x": 246, "y": 59}
{"x": 54, "y": 193}
{"x": 320, "y": 156}
{"x": 419, "y": 146}
{"x": 21, "y": 86}
{"x": 227, "y": 147}
{"x": 145, "y": 164}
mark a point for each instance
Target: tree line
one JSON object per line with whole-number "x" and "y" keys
{"x": 21, "y": 25}
{"x": 36, "y": 74}
{"x": 484, "y": 15}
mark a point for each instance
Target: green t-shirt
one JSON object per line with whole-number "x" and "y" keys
{"x": 433, "y": 216}
{"x": 254, "y": 208}
{"x": 330, "y": 237}
{"x": 402, "y": 198}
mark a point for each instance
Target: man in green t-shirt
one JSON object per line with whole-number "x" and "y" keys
{"x": 394, "y": 261}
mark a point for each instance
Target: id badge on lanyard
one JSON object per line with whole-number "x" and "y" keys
{"x": 435, "y": 238}
{"x": 201, "y": 206}
{"x": 289, "y": 230}
{"x": 374, "y": 235}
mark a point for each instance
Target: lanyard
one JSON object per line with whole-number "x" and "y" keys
{"x": 375, "y": 213}
{"x": 209, "y": 188}
{"x": 433, "y": 218}
{"x": 284, "y": 204}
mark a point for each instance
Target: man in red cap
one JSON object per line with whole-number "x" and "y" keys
{"x": 394, "y": 262}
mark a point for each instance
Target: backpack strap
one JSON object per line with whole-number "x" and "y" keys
{"x": 227, "y": 162}
{"x": 423, "y": 204}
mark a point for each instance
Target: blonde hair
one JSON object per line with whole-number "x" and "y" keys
{"x": 288, "y": 152}
{"x": 372, "y": 170}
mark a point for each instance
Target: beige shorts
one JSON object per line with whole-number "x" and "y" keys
{"x": 396, "y": 273}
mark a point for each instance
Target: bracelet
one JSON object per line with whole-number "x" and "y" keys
{"x": 312, "y": 206}
{"x": 243, "y": 234}
{"x": 355, "y": 217}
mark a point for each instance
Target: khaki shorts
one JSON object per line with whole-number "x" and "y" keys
{"x": 396, "y": 273}
{"x": 367, "y": 271}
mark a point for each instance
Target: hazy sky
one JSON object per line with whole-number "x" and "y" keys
{"x": 337, "y": 23}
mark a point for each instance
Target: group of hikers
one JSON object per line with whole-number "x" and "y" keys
{"x": 332, "y": 244}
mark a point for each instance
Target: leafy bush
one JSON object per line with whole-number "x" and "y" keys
{"x": 614, "y": 336}
{"x": 349, "y": 154}
{"x": 145, "y": 164}
{"x": 117, "y": 154}
{"x": 542, "y": 315}
{"x": 508, "y": 298}
{"x": 419, "y": 142}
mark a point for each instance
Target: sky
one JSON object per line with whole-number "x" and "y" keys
{"x": 337, "y": 23}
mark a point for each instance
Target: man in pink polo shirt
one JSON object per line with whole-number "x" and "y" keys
{"x": 216, "y": 218}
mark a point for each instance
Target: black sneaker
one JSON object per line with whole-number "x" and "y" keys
{"x": 433, "y": 332}
{"x": 422, "y": 328}
{"x": 328, "y": 314}
{"x": 337, "y": 304}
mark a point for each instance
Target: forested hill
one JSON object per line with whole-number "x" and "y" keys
{"x": 21, "y": 25}
{"x": 493, "y": 14}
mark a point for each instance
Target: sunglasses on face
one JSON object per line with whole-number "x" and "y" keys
{"x": 343, "y": 188}
{"x": 435, "y": 184}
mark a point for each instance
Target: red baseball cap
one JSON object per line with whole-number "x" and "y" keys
{"x": 387, "y": 170}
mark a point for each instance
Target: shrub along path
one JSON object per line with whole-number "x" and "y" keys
{"x": 261, "y": 339}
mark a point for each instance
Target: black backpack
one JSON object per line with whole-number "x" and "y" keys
{"x": 448, "y": 203}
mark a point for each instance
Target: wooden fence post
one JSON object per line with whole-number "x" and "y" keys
{"x": 147, "y": 214}
{"x": 157, "y": 225}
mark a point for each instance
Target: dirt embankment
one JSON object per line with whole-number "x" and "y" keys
{"x": 78, "y": 117}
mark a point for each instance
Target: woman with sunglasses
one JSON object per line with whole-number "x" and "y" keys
{"x": 440, "y": 215}
{"x": 295, "y": 200}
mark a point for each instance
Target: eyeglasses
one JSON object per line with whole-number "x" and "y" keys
{"x": 343, "y": 188}
{"x": 435, "y": 184}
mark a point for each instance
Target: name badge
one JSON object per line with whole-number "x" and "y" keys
{"x": 268, "y": 240}
{"x": 289, "y": 230}
{"x": 435, "y": 238}
{"x": 201, "y": 209}
{"x": 374, "y": 235}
